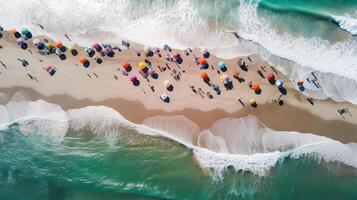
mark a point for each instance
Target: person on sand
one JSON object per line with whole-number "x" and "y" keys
{"x": 193, "y": 89}
{"x": 195, "y": 60}
{"x": 274, "y": 70}
{"x": 2, "y": 64}
{"x": 260, "y": 74}
{"x": 32, "y": 77}
{"x": 241, "y": 102}
{"x": 152, "y": 88}
{"x": 68, "y": 37}
{"x": 23, "y": 62}
{"x": 209, "y": 95}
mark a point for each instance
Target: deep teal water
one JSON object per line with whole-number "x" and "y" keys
{"x": 134, "y": 166}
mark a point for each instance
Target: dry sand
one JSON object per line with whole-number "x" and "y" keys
{"x": 72, "y": 88}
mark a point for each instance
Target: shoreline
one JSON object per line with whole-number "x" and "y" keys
{"x": 71, "y": 88}
{"x": 331, "y": 129}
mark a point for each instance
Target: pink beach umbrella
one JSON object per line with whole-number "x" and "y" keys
{"x": 133, "y": 79}
{"x": 97, "y": 47}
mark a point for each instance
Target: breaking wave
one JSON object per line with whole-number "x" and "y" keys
{"x": 242, "y": 144}
{"x": 347, "y": 23}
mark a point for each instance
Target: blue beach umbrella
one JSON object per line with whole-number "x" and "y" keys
{"x": 206, "y": 54}
{"x": 26, "y": 33}
{"x": 222, "y": 66}
{"x": 280, "y": 83}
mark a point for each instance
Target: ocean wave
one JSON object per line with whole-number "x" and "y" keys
{"x": 347, "y": 23}
{"x": 298, "y": 57}
{"x": 242, "y": 144}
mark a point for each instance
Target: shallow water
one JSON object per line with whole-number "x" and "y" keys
{"x": 135, "y": 166}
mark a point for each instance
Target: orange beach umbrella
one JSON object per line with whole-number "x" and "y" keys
{"x": 125, "y": 64}
{"x": 235, "y": 73}
{"x": 58, "y": 44}
{"x": 202, "y": 61}
{"x": 204, "y": 75}
{"x": 83, "y": 60}
{"x": 256, "y": 87}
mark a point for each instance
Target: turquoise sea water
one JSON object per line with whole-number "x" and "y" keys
{"x": 134, "y": 166}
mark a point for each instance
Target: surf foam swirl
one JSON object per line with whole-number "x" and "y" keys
{"x": 242, "y": 144}
{"x": 347, "y": 23}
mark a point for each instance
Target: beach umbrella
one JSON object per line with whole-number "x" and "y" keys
{"x": 49, "y": 45}
{"x": 36, "y": 41}
{"x": 235, "y": 73}
{"x": 164, "y": 97}
{"x": 13, "y": 30}
{"x": 40, "y": 45}
{"x": 58, "y": 51}
{"x": 256, "y": 87}
{"x": 300, "y": 82}
{"x": 90, "y": 52}
{"x": 253, "y": 102}
{"x": 206, "y": 54}
{"x": 58, "y": 44}
{"x": 62, "y": 56}
{"x": 202, "y": 61}
{"x": 109, "y": 52}
{"x": 133, "y": 78}
{"x": 51, "y": 70}
{"x": 73, "y": 51}
{"x": 222, "y": 66}
{"x": 97, "y": 47}
{"x": 16, "y": 34}
{"x": 125, "y": 65}
{"x": 83, "y": 60}
{"x": 142, "y": 65}
{"x": 270, "y": 76}
{"x": 204, "y": 75}
{"x": 148, "y": 52}
{"x": 280, "y": 83}
{"x": 25, "y": 32}
{"x": 204, "y": 66}
{"x": 177, "y": 55}
{"x": 223, "y": 77}
{"x": 19, "y": 41}
{"x": 166, "y": 83}
{"x": 157, "y": 52}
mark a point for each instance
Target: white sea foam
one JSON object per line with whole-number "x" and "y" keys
{"x": 347, "y": 23}
{"x": 244, "y": 144}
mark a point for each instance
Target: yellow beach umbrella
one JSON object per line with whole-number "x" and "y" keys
{"x": 13, "y": 30}
{"x": 224, "y": 77}
{"x": 142, "y": 65}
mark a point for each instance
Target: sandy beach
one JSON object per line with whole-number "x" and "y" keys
{"x": 74, "y": 86}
